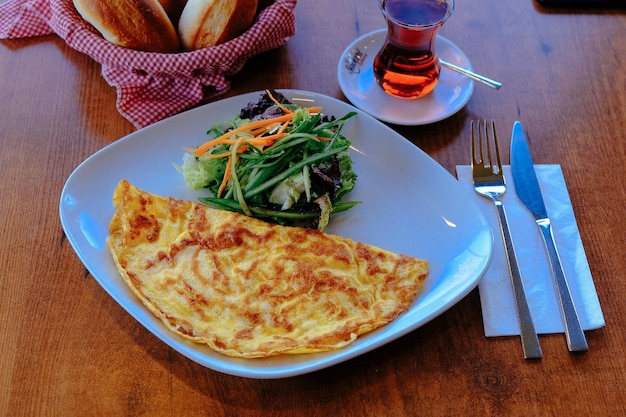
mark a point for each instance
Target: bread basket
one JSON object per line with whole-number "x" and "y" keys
{"x": 151, "y": 86}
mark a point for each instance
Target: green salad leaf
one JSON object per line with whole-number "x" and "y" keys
{"x": 277, "y": 161}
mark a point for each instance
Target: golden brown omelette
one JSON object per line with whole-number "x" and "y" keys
{"x": 248, "y": 288}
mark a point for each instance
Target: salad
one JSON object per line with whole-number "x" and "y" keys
{"x": 277, "y": 161}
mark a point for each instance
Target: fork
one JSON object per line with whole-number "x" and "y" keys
{"x": 489, "y": 182}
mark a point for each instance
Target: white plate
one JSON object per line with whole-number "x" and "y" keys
{"x": 410, "y": 205}
{"x": 356, "y": 79}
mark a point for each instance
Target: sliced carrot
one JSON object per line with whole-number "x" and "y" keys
{"x": 268, "y": 140}
{"x": 265, "y": 129}
{"x": 283, "y": 127}
{"x": 217, "y": 155}
{"x": 282, "y": 107}
{"x": 225, "y": 138}
{"x": 260, "y": 141}
{"x": 314, "y": 110}
{"x": 225, "y": 154}
{"x": 227, "y": 173}
{"x": 248, "y": 126}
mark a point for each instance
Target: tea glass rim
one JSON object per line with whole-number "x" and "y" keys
{"x": 381, "y": 5}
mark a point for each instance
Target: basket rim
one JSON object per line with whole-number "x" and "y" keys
{"x": 86, "y": 39}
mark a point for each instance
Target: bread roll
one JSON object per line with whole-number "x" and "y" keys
{"x": 206, "y": 23}
{"x": 137, "y": 24}
{"x": 173, "y": 8}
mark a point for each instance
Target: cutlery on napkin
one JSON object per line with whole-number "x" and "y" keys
{"x": 496, "y": 293}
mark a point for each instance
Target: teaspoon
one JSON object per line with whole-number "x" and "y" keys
{"x": 491, "y": 83}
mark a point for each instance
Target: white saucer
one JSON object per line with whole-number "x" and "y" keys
{"x": 356, "y": 79}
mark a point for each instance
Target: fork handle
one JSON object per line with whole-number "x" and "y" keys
{"x": 574, "y": 333}
{"x": 530, "y": 340}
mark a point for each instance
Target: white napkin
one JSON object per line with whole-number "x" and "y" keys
{"x": 496, "y": 292}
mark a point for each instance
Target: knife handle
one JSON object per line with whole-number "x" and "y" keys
{"x": 530, "y": 340}
{"x": 574, "y": 333}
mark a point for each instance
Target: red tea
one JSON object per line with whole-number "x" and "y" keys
{"x": 407, "y": 65}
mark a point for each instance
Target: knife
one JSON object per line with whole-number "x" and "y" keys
{"x": 527, "y": 189}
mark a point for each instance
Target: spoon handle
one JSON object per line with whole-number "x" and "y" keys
{"x": 472, "y": 75}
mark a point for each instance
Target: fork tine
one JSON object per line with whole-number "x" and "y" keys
{"x": 484, "y": 132}
{"x": 484, "y": 141}
{"x": 495, "y": 146}
{"x": 473, "y": 146}
{"x": 475, "y": 132}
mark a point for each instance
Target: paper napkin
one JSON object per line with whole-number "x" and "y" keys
{"x": 496, "y": 292}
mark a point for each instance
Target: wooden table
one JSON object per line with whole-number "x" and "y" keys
{"x": 67, "y": 349}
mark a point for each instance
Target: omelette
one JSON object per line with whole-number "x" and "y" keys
{"x": 248, "y": 288}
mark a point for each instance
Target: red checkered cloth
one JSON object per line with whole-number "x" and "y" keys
{"x": 151, "y": 86}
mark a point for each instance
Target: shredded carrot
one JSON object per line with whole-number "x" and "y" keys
{"x": 283, "y": 127}
{"x": 314, "y": 110}
{"x": 260, "y": 141}
{"x": 259, "y": 125}
{"x": 227, "y": 173}
{"x": 267, "y": 140}
{"x": 248, "y": 126}
{"x": 217, "y": 155}
{"x": 282, "y": 107}
{"x": 241, "y": 149}
{"x": 265, "y": 129}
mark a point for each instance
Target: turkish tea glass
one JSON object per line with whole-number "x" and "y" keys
{"x": 407, "y": 65}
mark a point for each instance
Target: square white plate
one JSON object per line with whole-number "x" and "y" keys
{"x": 411, "y": 205}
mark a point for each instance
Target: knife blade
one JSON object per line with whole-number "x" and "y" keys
{"x": 529, "y": 193}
